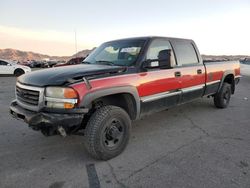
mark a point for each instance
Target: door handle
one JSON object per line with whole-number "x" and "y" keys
{"x": 199, "y": 71}
{"x": 177, "y": 74}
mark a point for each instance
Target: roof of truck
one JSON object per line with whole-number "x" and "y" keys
{"x": 149, "y": 37}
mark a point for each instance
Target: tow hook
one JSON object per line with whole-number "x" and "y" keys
{"x": 62, "y": 131}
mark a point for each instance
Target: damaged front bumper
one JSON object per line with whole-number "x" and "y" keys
{"x": 49, "y": 121}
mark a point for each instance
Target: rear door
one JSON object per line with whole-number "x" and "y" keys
{"x": 190, "y": 69}
{"x": 159, "y": 88}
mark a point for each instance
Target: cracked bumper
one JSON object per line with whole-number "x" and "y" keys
{"x": 47, "y": 118}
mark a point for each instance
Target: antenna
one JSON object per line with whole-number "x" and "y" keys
{"x": 75, "y": 44}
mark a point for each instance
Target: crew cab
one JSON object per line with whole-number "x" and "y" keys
{"x": 12, "y": 68}
{"x": 120, "y": 81}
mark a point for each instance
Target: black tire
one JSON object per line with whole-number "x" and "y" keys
{"x": 18, "y": 72}
{"x": 222, "y": 98}
{"x": 107, "y": 132}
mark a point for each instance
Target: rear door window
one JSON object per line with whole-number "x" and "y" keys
{"x": 185, "y": 53}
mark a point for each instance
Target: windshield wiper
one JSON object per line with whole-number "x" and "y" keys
{"x": 105, "y": 62}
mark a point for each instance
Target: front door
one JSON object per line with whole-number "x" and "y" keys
{"x": 159, "y": 88}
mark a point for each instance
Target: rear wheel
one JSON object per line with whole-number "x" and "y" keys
{"x": 18, "y": 72}
{"x": 222, "y": 98}
{"x": 107, "y": 132}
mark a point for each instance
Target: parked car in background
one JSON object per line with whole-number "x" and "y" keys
{"x": 30, "y": 63}
{"x": 36, "y": 64}
{"x": 25, "y": 63}
{"x": 12, "y": 68}
{"x": 246, "y": 61}
{"x": 51, "y": 63}
{"x": 73, "y": 61}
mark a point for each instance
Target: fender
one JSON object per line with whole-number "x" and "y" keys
{"x": 226, "y": 73}
{"x": 90, "y": 97}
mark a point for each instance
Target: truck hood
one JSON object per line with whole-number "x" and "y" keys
{"x": 61, "y": 75}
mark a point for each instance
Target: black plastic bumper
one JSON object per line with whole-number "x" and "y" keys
{"x": 42, "y": 120}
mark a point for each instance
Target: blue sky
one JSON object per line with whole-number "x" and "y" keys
{"x": 217, "y": 26}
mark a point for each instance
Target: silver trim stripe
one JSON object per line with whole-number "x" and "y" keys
{"x": 159, "y": 96}
{"x": 213, "y": 82}
{"x": 169, "y": 94}
{"x": 193, "y": 88}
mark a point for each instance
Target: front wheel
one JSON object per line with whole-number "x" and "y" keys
{"x": 107, "y": 132}
{"x": 18, "y": 72}
{"x": 222, "y": 98}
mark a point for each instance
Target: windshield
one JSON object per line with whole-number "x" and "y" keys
{"x": 120, "y": 53}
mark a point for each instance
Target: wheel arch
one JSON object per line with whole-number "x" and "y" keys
{"x": 229, "y": 78}
{"x": 18, "y": 69}
{"x": 124, "y": 97}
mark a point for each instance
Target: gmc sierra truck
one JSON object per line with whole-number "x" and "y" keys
{"x": 120, "y": 81}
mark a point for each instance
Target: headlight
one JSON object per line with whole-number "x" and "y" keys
{"x": 59, "y": 97}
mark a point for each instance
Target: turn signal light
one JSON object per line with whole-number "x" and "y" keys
{"x": 68, "y": 105}
{"x": 70, "y": 93}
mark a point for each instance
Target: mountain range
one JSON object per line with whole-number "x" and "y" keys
{"x": 13, "y": 54}
{"x": 18, "y": 55}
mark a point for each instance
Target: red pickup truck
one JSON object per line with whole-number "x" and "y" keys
{"x": 120, "y": 81}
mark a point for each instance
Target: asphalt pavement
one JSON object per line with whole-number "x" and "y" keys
{"x": 192, "y": 145}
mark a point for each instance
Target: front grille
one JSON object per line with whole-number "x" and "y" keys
{"x": 30, "y": 97}
{"x": 26, "y": 96}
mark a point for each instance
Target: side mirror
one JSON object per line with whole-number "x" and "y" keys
{"x": 8, "y": 64}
